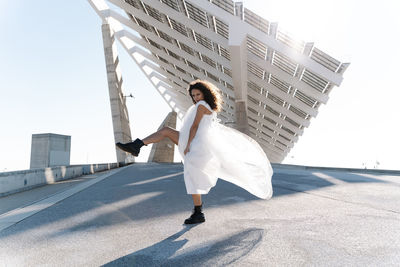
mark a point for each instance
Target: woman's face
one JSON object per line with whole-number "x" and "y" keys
{"x": 197, "y": 95}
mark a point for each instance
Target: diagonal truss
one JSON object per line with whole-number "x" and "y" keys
{"x": 272, "y": 85}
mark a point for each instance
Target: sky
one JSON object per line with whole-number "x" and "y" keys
{"x": 53, "y": 80}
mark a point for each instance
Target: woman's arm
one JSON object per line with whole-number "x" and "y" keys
{"x": 201, "y": 110}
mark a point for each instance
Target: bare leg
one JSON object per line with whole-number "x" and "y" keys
{"x": 161, "y": 134}
{"x": 197, "y": 199}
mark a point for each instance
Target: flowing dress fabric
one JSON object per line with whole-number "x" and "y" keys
{"x": 218, "y": 151}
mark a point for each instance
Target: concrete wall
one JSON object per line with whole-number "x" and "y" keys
{"x": 17, "y": 181}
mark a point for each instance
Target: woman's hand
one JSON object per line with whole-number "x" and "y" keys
{"x": 186, "y": 150}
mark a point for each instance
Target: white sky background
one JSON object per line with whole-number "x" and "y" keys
{"x": 53, "y": 79}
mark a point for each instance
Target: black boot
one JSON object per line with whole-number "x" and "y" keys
{"x": 132, "y": 147}
{"x": 196, "y": 217}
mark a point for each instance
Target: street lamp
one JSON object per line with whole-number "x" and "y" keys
{"x": 130, "y": 95}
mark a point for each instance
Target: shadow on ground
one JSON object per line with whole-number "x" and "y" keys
{"x": 221, "y": 252}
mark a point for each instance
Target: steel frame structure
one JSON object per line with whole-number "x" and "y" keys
{"x": 272, "y": 85}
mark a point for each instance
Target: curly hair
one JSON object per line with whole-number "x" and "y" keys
{"x": 211, "y": 93}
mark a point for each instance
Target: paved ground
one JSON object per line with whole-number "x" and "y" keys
{"x": 34, "y": 195}
{"x": 133, "y": 217}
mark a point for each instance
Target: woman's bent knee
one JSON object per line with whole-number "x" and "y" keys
{"x": 165, "y": 130}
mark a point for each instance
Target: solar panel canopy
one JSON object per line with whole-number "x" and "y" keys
{"x": 271, "y": 84}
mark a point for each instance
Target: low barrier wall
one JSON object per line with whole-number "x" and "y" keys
{"x": 18, "y": 181}
{"x": 309, "y": 168}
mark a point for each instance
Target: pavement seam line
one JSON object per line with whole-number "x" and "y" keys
{"x": 6, "y": 218}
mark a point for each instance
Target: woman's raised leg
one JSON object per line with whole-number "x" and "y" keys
{"x": 165, "y": 132}
{"x": 134, "y": 147}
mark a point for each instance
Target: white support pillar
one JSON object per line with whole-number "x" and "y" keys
{"x": 238, "y": 51}
{"x": 119, "y": 111}
{"x": 164, "y": 150}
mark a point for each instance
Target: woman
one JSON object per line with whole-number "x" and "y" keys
{"x": 211, "y": 150}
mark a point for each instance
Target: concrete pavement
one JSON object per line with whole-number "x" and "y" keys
{"x": 133, "y": 217}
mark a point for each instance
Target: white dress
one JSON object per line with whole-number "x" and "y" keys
{"x": 218, "y": 151}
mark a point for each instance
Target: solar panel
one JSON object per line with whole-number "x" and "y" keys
{"x": 282, "y": 80}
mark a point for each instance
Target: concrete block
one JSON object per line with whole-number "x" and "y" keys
{"x": 49, "y": 150}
